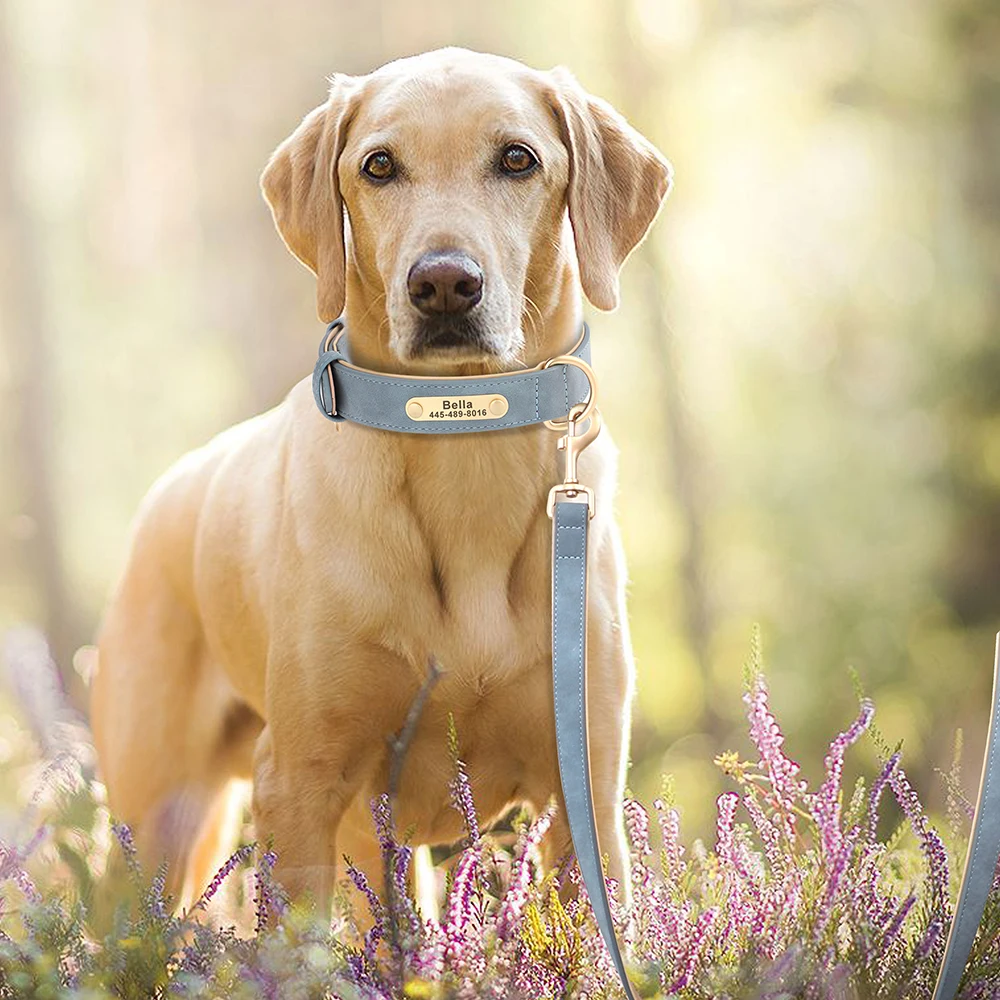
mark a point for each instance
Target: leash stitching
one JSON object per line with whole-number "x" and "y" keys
{"x": 454, "y": 427}
{"x": 963, "y": 911}
{"x": 580, "y": 657}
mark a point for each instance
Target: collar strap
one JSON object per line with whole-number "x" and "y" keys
{"x": 420, "y": 404}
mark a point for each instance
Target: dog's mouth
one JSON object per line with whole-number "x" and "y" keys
{"x": 455, "y": 336}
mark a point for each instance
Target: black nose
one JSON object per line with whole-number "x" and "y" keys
{"x": 445, "y": 282}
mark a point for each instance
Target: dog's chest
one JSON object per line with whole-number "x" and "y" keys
{"x": 461, "y": 552}
{"x": 477, "y": 580}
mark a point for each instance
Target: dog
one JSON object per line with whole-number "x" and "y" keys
{"x": 288, "y": 582}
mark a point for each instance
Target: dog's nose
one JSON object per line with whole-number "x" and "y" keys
{"x": 445, "y": 282}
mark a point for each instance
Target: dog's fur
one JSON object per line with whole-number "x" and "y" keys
{"x": 288, "y": 582}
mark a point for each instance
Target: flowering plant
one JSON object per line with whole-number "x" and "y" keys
{"x": 799, "y": 898}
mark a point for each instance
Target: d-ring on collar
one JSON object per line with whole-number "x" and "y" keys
{"x": 420, "y": 404}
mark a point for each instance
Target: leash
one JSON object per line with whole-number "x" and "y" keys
{"x": 561, "y": 393}
{"x": 981, "y": 860}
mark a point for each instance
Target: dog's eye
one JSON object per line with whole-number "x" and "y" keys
{"x": 379, "y": 166}
{"x": 517, "y": 159}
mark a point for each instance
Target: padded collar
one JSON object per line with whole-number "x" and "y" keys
{"x": 420, "y": 404}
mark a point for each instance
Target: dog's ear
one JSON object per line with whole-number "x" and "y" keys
{"x": 300, "y": 184}
{"x": 617, "y": 181}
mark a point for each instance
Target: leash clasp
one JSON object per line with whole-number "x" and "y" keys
{"x": 573, "y": 443}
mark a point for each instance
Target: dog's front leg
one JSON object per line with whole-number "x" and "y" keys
{"x": 297, "y": 806}
{"x": 323, "y": 738}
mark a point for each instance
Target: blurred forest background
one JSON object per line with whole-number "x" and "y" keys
{"x": 813, "y": 328}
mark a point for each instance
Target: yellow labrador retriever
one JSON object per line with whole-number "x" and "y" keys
{"x": 288, "y": 582}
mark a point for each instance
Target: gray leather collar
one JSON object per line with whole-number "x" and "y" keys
{"x": 442, "y": 405}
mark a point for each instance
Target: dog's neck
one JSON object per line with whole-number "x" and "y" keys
{"x": 551, "y": 326}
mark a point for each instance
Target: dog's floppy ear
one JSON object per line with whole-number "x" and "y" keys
{"x": 300, "y": 184}
{"x": 617, "y": 181}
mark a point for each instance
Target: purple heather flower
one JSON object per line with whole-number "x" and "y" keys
{"x": 869, "y": 903}
{"x": 512, "y": 907}
{"x": 826, "y": 803}
{"x": 673, "y": 851}
{"x": 768, "y": 832}
{"x": 637, "y": 825}
{"x": 385, "y": 826}
{"x": 405, "y": 910}
{"x": 836, "y": 868}
{"x": 123, "y": 834}
{"x": 781, "y": 771}
{"x": 875, "y": 797}
{"x": 427, "y": 960}
{"x": 460, "y": 947}
{"x": 12, "y": 868}
{"x": 896, "y": 925}
{"x": 726, "y": 803}
{"x": 766, "y": 910}
{"x": 933, "y": 846}
{"x": 377, "y": 930}
{"x": 930, "y": 938}
{"x": 268, "y": 898}
{"x": 695, "y": 949}
{"x": 237, "y": 858}
{"x": 731, "y": 866}
{"x": 157, "y": 905}
{"x": 461, "y": 797}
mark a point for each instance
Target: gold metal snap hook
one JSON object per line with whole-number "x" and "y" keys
{"x": 573, "y": 443}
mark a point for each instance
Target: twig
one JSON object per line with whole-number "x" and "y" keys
{"x": 398, "y": 747}
{"x": 401, "y": 743}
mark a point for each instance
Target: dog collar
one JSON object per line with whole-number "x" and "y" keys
{"x": 435, "y": 404}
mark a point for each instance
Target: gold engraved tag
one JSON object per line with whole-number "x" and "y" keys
{"x": 485, "y": 407}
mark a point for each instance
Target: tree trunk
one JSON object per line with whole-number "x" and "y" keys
{"x": 35, "y": 530}
{"x": 638, "y": 77}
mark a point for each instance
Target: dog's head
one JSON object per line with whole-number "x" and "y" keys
{"x": 456, "y": 171}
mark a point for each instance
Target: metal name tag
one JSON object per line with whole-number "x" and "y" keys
{"x": 485, "y": 407}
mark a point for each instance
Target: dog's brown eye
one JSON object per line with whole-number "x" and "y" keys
{"x": 517, "y": 159}
{"x": 379, "y": 166}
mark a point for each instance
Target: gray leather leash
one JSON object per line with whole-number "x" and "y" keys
{"x": 561, "y": 393}
{"x": 981, "y": 860}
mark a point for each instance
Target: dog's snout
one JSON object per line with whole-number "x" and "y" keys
{"x": 446, "y": 282}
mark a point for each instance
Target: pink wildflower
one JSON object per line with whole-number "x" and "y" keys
{"x": 509, "y": 916}
{"x": 781, "y": 770}
{"x": 826, "y": 803}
